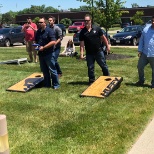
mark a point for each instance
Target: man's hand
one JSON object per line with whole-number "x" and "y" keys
{"x": 108, "y": 49}
{"x": 41, "y": 48}
{"x": 139, "y": 54}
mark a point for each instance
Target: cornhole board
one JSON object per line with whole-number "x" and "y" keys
{"x": 27, "y": 83}
{"x": 103, "y": 86}
{"x": 18, "y": 61}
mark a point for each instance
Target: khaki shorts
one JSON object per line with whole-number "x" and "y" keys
{"x": 29, "y": 47}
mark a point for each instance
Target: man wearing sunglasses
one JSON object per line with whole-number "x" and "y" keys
{"x": 91, "y": 38}
{"x": 45, "y": 37}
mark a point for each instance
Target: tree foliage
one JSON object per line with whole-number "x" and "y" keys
{"x": 66, "y": 22}
{"x": 105, "y": 12}
{"x": 134, "y": 5}
{"x": 9, "y": 17}
{"x": 137, "y": 18}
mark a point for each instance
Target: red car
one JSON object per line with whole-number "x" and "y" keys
{"x": 76, "y": 27}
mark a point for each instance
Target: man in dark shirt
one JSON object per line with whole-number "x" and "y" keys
{"x": 58, "y": 34}
{"x": 91, "y": 38}
{"x": 45, "y": 37}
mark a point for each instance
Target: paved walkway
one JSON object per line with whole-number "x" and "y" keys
{"x": 145, "y": 143}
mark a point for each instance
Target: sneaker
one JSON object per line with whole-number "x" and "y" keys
{"x": 55, "y": 88}
{"x": 139, "y": 83}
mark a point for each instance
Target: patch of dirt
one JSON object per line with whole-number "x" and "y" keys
{"x": 116, "y": 56}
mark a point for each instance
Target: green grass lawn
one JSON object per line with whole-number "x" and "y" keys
{"x": 47, "y": 121}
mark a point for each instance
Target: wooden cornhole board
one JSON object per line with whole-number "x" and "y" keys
{"x": 18, "y": 61}
{"x": 27, "y": 83}
{"x": 103, "y": 86}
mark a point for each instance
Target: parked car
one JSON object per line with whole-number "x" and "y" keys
{"x": 76, "y": 27}
{"x": 8, "y": 36}
{"x": 125, "y": 25}
{"x": 62, "y": 27}
{"x": 76, "y": 37}
{"x": 128, "y": 35}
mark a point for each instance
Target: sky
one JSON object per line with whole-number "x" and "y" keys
{"x": 17, "y": 5}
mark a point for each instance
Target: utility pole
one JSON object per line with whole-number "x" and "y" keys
{"x": 58, "y": 13}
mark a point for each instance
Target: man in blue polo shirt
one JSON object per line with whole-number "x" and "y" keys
{"x": 91, "y": 37}
{"x": 45, "y": 37}
{"x": 146, "y": 53}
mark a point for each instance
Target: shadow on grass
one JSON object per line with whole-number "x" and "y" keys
{"x": 134, "y": 84}
{"x": 79, "y": 83}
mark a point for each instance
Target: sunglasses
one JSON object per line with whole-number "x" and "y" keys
{"x": 86, "y": 20}
{"x": 40, "y": 22}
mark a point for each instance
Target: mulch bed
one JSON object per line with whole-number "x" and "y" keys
{"x": 117, "y": 56}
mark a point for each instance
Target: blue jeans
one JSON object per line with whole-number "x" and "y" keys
{"x": 57, "y": 51}
{"x": 142, "y": 62}
{"x": 100, "y": 59}
{"x": 47, "y": 65}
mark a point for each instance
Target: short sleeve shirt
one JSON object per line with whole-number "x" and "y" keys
{"x": 44, "y": 37}
{"x": 91, "y": 39}
{"x": 30, "y": 33}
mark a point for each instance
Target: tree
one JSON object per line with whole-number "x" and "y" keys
{"x": 105, "y": 12}
{"x": 66, "y": 22}
{"x": 38, "y": 9}
{"x": 9, "y": 17}
{"x": 134, "y": 5}
{"x": 137, "y": 18}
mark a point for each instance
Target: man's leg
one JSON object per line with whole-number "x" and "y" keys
{"x": 57, "y": 51}
{"x": 90, "y": 64}
{"x": 100, "y": 58}
{"x": 50, "y": 61}
{"x": 28, "y": 49}
{"x": 45, "y": 70}
{"x": 151, "y": 61}
{"x": 142, "y": 62}
{"x": 33, "y": 51}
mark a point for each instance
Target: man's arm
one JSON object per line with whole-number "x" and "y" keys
{"x": 81, "y": 49}
{"x": 105, "y": 41}
{"x": 50, "y": 44}
{"x": 59, "y": 32}
{"x": 140, "y": 46}
{"x": 34, "y": 27}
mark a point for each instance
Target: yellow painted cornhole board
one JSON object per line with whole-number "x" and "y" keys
{"x": 27, "y": 83}
{"x": 103, "y": 86}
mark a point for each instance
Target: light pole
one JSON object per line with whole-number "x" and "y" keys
{"x": 58, "y": 13}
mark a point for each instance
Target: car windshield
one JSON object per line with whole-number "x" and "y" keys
{"x": 77, "y": 24}
{"x": 4, "y": 31}
{"x": 128, "y": 29}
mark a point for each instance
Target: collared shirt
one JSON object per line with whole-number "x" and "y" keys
{"x": 58, "y": 34}
{"x": 146, "y": 43}
{"x": 91, "y": 39}
{"x": 44, "y": 37}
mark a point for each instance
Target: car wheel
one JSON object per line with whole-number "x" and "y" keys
{"x": 64, "y": 33}
{"x": 7, "y": 43}
{"x": 134, "y": 41}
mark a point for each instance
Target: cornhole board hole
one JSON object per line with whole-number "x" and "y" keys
{"x": 18, "y": 61}
{"x": 27, "y": 83}
{"x": 103, "y": 86}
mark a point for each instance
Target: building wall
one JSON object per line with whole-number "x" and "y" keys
{"x": 79, "y": 16}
